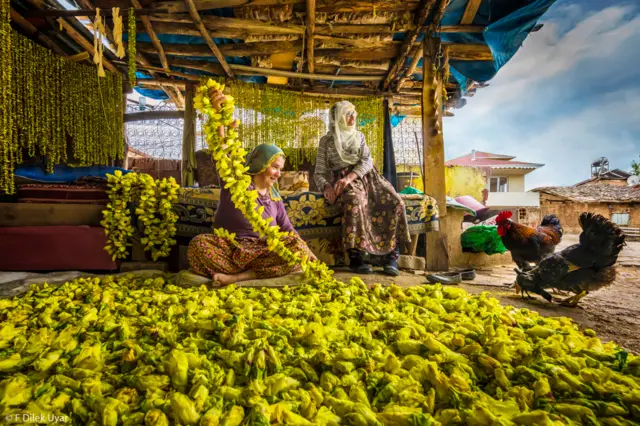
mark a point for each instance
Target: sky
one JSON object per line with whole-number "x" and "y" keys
{"x": 568, "y": 97}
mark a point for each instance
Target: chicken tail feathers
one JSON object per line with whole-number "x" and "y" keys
{"x": 601, "y": 236}
{"x": 588, "y": 279}
{"x": 552, "y": 221}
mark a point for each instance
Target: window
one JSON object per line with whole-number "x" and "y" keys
{"x": 621, "y": 219}
{"x": 522, "y": 215}
{"x": 498, "y": 184}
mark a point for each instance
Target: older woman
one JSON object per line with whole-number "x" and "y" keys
{"x": 226, "y": 262}
{"x": 374, "y": 218}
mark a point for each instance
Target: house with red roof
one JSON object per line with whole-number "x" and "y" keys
{"x": 505, "y": 178}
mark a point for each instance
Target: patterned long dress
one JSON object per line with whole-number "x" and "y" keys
{"x": 374, "y": 219}
{"x": 209, "y": 254}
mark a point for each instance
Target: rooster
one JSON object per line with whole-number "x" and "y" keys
{"x": 582, "y": 267}
{"x": 527, "y": 244}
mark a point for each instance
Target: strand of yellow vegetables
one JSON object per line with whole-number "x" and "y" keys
{"x": 153, "y": 200}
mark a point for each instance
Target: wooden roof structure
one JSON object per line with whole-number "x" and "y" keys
{"x": 330, "y": 47}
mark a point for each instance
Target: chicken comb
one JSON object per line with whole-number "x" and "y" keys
{"x": 504, "y": 216}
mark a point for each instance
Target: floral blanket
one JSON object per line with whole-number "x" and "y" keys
{"x": 319, "y": 223}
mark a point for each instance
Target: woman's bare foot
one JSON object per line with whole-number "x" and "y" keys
{"x": 225, "y": 279}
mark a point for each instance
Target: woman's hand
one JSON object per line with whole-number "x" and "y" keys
{"x": 217, "y": 99}
{"x": 343, "y": 183}
{"x": 329, "y": 193}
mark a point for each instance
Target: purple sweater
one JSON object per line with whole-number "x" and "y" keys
{"x": 230, "y": 218}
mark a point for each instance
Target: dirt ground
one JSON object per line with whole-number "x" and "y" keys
{"x": 613, "y": 312}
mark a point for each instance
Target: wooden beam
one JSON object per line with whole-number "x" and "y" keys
{"x": 152, "y": 35}
{"x": 407, "y": 44}
{"x": 180, "y": 7}
{"x": 207, "y": 37}
{"x": 308, "y": 76}
{"x": 415, "y": 59}
{"x": 333, "y": 69}
{"x": 358, "y": 6}
{"x": 356, "y": 42}
{"x": 212, "y": 68}
{"x": 353, "y": 29}
{"x": 189, "y": 138}
{"x": 462, "y": 28}
{"x": 87, "y": 12}
{"x": 433, "y": 152}
{"x": 84, "y": 43}
{"x": 465, "y": 52}
{"x": 216, "y": 23}
{"x": 205, "y": 66}
{"x": 79, "y": 57}
{"x": 175, "y": 95}
{"x": 470, "y": 12}
{"x": 360, "y": 54}
{"x": 355, "y": 92}
{"x": 152, "y": 115}
{"x": 417, "y": 54}
{"x": 470, "y": 52}
{"x": 236, "y": 49}
{"x": 311, "y": 29}
{"x": 248, "y": 70}
{"x": 34, "y": 32}
{"x": 324, "y": 6}
{"x": 155, "y": 82}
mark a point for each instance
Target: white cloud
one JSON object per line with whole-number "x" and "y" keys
{"x": 546, "y": 54}
{"x": 556, "y": 102}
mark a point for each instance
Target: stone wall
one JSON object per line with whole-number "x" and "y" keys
{"x": 568, "y": 211}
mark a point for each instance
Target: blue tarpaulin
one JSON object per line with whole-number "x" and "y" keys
{"x": 65, "y": 174}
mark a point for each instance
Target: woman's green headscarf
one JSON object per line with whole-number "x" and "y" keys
{"x": 259, "y": 159}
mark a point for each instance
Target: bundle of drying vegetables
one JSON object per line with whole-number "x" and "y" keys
{"x": 137, "y": 351}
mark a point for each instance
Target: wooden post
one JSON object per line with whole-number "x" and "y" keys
{"x": 189, "y": 137}
{"x": 433, "y": 142}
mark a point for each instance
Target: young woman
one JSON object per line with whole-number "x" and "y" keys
{"x": 374, "y": 218}
{"x": 227, "y": 263}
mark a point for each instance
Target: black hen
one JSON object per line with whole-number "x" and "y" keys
{"x": 582, "y": 267}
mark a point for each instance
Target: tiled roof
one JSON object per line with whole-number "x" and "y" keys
{"x": 487, "y": 159}
{"x": 615, "y": 174}
{"x": 599, "y": 192}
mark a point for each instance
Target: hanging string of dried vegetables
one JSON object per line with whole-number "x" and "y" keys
{"x": 54, "y": 100}
{"x": 98, "y": 46}
{"x": 117, "y": 32}
{"x": 7, "y": 150}
{"x": 296, "y": 122}
{"x": 131, "y": 47}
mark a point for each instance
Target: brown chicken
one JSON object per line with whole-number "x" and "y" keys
{"x": 582, "y": 267}
{"x": 526, "y": 244}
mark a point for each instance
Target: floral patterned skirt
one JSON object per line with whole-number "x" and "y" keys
{"x": 374, "y": 219}
{"x": 209, "y": 254}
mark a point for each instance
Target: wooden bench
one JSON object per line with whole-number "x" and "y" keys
{"x": 631, "y": 233}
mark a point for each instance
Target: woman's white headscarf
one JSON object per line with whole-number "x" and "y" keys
{"x": 345, "y": 137}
